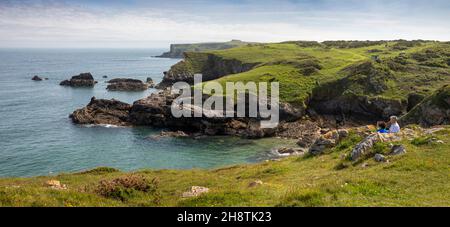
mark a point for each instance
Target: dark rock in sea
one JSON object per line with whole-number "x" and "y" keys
{"x": 101, "y": 111}
{"x": 36, "y": 78}
{"x": 104, "y": 76}
{"x": 126, "y": 84}
{"x": 82, "y": 80}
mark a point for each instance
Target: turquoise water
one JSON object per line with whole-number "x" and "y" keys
{"x": 38, "y": 138}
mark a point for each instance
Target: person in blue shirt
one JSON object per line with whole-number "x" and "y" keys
{"x": 382, "y": 128}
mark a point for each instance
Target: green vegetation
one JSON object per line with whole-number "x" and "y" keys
{"x": 418, "y": 178}
{"x": 177, "y": 50}
{"x": 390, "y": 70}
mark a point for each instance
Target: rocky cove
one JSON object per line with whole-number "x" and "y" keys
{"x": 356, "y": 98}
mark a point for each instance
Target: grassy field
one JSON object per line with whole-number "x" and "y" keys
{"x": 403, "y": 67}
{"x": 421, "y": 177}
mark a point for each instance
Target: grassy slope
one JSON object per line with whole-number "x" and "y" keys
{"x": 283, "y": 62}
{"x": 418, "y": 178}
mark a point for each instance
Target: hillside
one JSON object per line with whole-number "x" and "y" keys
{"x": 177, "y": 50}
{"x": 360, "y": 78}
{"x": 417, "y": 178}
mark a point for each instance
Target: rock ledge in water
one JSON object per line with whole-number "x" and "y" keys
{"x": 81, "y": 80}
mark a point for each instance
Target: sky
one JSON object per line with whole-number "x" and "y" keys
{"x": 156, "y": 24}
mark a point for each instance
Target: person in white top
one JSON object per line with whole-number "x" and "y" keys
{"x": 394, "y": 128}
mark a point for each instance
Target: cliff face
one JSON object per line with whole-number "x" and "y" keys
{"x": 209, "y": 65}
{"x": 433, "y": 110}
{"x": 177, "y": 50}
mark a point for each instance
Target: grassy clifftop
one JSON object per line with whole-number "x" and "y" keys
{"x": 403, "y": 67}
{"x": 177, "y": 50}
{"x": 418, "y": 178}
{"x": 382, "y": 77}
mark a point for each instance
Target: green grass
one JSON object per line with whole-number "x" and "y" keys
{"x": 417, "y": 67}
{"x": 418, "y": 178}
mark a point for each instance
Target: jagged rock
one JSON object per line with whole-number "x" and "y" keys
{"x": 343, "y": 133}
{"x": 255, "y": 183}
{"x": 126, "y": 84}
{"x": 36, "y": 78}
{"x": 379, "y": 158}
{"x": 101, "y": 111}
{"x": 288, "y": 112}
{"x": 82, "y": 80}
{"x": 397, "y": 150}
{"x": 307, "y": 140}
{"x": 321, "y": 144}
{"x": 195, "y": 191}
{"x": 364, "y": 146}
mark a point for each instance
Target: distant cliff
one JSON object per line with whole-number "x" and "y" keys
{"x": 177, "y": 50}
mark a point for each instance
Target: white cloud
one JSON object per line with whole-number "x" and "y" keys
{"x": 70, "y": 26}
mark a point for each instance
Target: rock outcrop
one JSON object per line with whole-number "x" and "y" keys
{"x": 155, "y": 110}
{"x": 357, "y": 94}
{"x": 433, "y": 110}
{"x": 82, "y": 80}
{"x": 101, "y": 111}
{"x": 126, "y": 84}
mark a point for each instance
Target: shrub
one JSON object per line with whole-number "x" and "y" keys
{"x": 125, "y": 187}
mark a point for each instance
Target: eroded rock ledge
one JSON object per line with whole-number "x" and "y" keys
{"x": 155, "y": 110}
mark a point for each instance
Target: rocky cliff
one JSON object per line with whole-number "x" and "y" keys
{"x": 177, "y": 50}
{"x": 433, "y": 110}
{"x": 209, "y": 65}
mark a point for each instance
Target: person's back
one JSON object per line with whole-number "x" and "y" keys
{"x": 394, "y": 128}
{"x": 382, "y": 127}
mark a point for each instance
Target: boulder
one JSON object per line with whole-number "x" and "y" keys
{"x": 55, "y": 184}
{"x": 379, "y": 158}
{"x": 126, "y": 84}
{"x": 321, "y": 144}
{"x": 81, "y": 80}
{"x": 397, "y": 150}
{"x": 36, "y": 78}
{"x": 195, "y": 191}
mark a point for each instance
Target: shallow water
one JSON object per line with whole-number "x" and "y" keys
{"x": 38, "y": 138}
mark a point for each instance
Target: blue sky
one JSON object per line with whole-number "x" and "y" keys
{"x": 147, "y": 24}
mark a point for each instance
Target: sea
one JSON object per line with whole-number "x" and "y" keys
{"x": 37, "y": 138}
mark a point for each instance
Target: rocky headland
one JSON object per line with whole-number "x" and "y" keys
{"x": 321, "y": 96}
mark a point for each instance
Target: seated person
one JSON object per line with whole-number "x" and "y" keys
{"x": 382, "y": 128}
{"x": 394, "y": 127}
